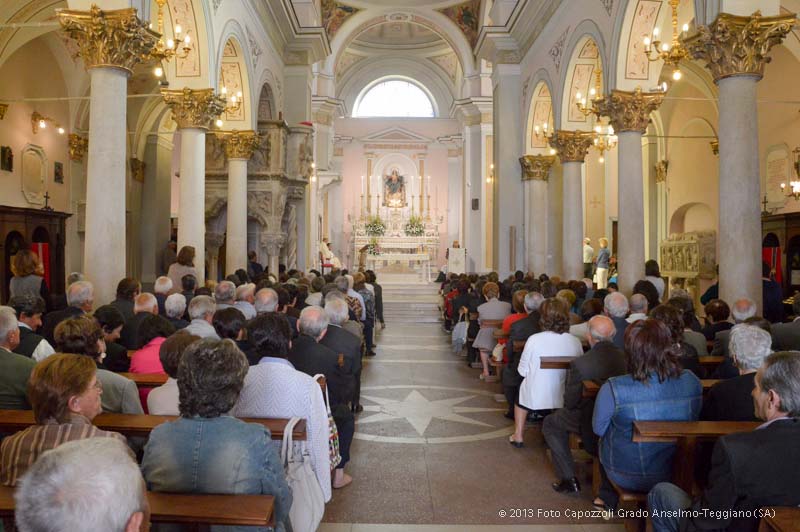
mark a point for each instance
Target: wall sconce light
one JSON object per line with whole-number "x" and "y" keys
{"x": 3, "y": 109}
{"x": 39, "y": 121}
{"x": 490, "y": 177}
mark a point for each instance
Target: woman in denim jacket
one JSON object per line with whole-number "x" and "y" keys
{"x": 208, "y": 451}
{"x": 655, "y": 389}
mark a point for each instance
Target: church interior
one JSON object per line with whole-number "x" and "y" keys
{"x": 442, "y": 148}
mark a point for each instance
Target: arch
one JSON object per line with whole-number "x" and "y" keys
{"x": 233, "y": 74}
{"x": 266, "y": 104}
{"x": 694, "y": 216}
{"x": 771, "y": 240}
{"x": 370, "y": 71}
{"x": 12, "y": 39}
{"x": 268, "y": 78}
{"x": 422, "y": 88}
{"x": 540, "y": 112}
{"x": 435, "y": 21}
{"x": 407, "y": 167}
{"x": 586, "y": 52}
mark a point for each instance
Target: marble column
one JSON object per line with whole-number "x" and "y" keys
{"x": 193, "y": 111}
{"x": 535, "y": 175}
{"x": 212, "y": 241}
{"x": 473, "y": 192}
{"x": 273, "y": 243}
{"x": 735, "y": 50}
{"x": 629, "y": 113}
{"x": 111, "y": 43}
{"x": 239, "y": 147}
{"x": 572, "y": 147}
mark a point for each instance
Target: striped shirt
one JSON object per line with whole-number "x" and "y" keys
{"x": 20, "y": 451}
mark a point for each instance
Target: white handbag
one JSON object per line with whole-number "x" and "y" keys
{"x": 308, "y": 502}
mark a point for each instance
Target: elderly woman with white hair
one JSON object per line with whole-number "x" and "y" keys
{"x": 731, "y": 399}
{"x": 175, "y": 308}
{"x": 162, "y": 288}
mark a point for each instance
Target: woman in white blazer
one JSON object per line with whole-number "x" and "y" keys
{"x": 544, "y": 388}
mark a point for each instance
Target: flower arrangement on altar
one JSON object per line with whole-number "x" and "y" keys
{"x": 414, "y": 226}
{"x": 373, "y": 248}
{"x": 375, "y": 226}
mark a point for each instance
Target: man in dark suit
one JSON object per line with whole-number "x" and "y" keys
{"x": 520, "y": 331}
{"x": 615, "y": 306}
{"x": 341, "y": 341}
{"x": 29, "y": 309}
{"x": 731, "y": 399}
{"x": 145, "y": 305}
{"x": 128, "y": 290}
{"x": 602, "y": 361}
{"x": 750, "y": 470}
{"x": 786, "y": 336}
{"x": 80, "y": 299}
{"x": 311, "y": 357}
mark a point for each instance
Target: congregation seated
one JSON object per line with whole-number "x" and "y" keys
{"x": 266, "y": 300}
{"x": 672, "y": 318}
{"x": 602, "y": 361}
{"x": 153, "y": 332}
{"x": 28, "y": 276}
{"x": 29, "y": 309}
{"x": 731, "y": 399}
{"x": 201, "y": 312}
{"x": 749, "y": 470}
{"x": 175, "y": 309}
{"x": 589, "y": 309}
{"x": 83, "y": 336}
{"x": 188, "y": 287}
{"x": 128, "y": 289}
{"x": 492, "y": 309}
{"x": 543, "y": 389}
{"x": 111, "y": 322}
{"x": 57, "y": 493}
{"x": 225, "y": 294}
{"x": 144, "y": 305}
{"x": 786, "y": 336}
{"x": 245, "y": 296}
{"x": 64, "y": 393}
{"x": 163, "y": 401}
{"x": 744, "y": 309}
{"x": 229, "y": 323}
{"x": 655, "y": 388}
{"x": 274, "y": 388}
{"x": 690, "y": 336}
{"x": 15, "y": 369}
{"x": 161, "y": 289}
{"x": 519, "y": 331}
{"x": 717, "y": 314}
{"x": 518, "y": 305}
{"x": 340, "y": 340}
{"x": 352, "y": 325}
{"x": 647, "y": 289}
{"x": 206, "y": 450}
{"x": 360, "y": 287}
{"x": 615, "y": 306}
{"x": 639, "y": 307}
{"x": 80, "y": 300}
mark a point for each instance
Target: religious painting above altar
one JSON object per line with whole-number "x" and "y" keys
{"x": 394, "y": 189}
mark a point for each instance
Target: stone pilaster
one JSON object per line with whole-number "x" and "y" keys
{"x": 239, "y": 147}
{"x": 193, "y": 111}
{"x": 629, "y": 113}
{"x": 735, "y": 49}
{"x": 535, "y": 176}
{"x": 572, "y": 147}
{"x": 111, "y": 43}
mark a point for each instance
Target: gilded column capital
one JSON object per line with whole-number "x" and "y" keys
{"x": 77, "y": 147}
{"x": 193, "y": 108}
{"x": 240, "y": 144}
{"x": 572, "y": 146}
{"x": 115, "y": 38}
{"x": 738, "y": 45}
{"x": 661, "y": 170}
{"x": 629, "y": 110}
{"x": 536, "y": 167}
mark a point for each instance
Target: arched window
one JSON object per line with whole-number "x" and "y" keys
{"x": 394, "y": 98}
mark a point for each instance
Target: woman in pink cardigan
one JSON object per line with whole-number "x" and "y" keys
{"x": 152, "y": 332}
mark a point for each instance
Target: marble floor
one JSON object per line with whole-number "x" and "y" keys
{"x": 431, "y": 447}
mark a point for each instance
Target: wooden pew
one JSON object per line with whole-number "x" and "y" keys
{"x": 710, "y": 363}
{"x": 590, "y": 388}
{"x": 784, "y": 519}
{"x": 140, "y": 425}
{"x": 146, "y": 380}
{"x": 686, "y": 434}
{"x": 555, "y": 362}
{"x": 242, "y": 510}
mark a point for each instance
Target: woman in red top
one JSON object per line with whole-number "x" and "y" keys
{"x": 518, "y": 303}
{"x": 152, "y": 332}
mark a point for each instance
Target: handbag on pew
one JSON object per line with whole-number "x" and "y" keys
{"x": 333, "y": 431}
{"x": 308, "y": 502}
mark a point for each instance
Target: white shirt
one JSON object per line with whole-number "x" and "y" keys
{"x": 202, "y": 328}
{"x": 588, "y": 253}
{"x": 273, "y": 388}
{"x": 658, "y": 282}
{"x": 315, "y": 299}
{"x": 247, "y": 309}
{"x": 43, "y": 349}
{"x": 353, "y": 293}
{"x": 163, "y": 401}
{"x": 544, "y": 388}
{"x": 636, "y": 316}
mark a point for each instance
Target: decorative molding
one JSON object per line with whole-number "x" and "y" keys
{"x": 448, "y": 63}
{"x": 661, "y": 168}
{"x": 216, "y": 4}
{"x": 715, "y": 147}
{"x": 467, "y": 17}
{"x": 3, "y": 109}
{"x": 114, "y": 38}
{"x": 557, "y": 51}
{"x": 738, "y": 45}
{"x": 77, "y": 147}
{"x": 240, "y": 144}
{"x": 629, "y": 111}
{"x": 137, "y": 169}
{"x": 409, "y": 147}
{"x": 536, "y": 167}
{"x": 295, "y": 192}
{"x": 608, "y": 5}
{"x": 334, "y": 14}
{"x": 193, "y": 108}
{"x": 255, "y": 48}
{"x": 572, "y": 146}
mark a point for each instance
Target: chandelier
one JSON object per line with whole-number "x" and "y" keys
{"x": 232, "y": 107}
{"x": 671, "y": 53}
{"x": 165, "y": 50}
{"x": 604, "y": 137}
{"x": 542, "y": 133}
{"x": 604, "y": 141}
{"x": 39, "y": 121}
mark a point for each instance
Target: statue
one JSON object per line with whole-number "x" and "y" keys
{"x": 394, "y": 190}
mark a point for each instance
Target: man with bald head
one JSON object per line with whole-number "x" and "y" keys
{"x": 602, "y": 361}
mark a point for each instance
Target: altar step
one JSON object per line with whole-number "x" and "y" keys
{"x": 404, "y": 279}
{"x": 411, "y": 303}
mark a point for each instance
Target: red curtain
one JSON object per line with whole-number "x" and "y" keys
{"x": 42, "y": 249}
{"x": 772, "y": 256}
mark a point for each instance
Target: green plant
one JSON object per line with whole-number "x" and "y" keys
{"x": 414, "y": 226}
{"x": 373, "y": 248}
{"x": 375, "y": 226}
